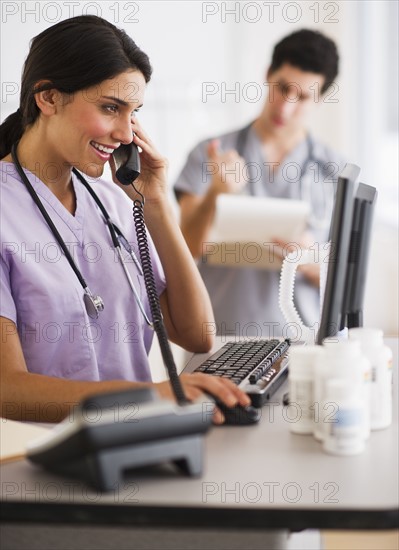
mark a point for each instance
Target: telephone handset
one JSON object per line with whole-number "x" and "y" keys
{"x": 127, "y": 162}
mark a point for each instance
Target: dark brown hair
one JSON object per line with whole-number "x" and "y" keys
{"x": 309, "y": 51}
{"x": 72, "y": 55}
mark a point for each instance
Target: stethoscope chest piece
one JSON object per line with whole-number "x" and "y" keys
{"x": 94, "y": 304}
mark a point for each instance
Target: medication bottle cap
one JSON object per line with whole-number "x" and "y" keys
{"x": 367, "y": 336}
{"x": 305, "y": 352}
{"x": 304, "y": 358}
{"x": 345, "y": 349}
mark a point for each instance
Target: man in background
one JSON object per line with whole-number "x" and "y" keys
{"x": 245, "y": 299}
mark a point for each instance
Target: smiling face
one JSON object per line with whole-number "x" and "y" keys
{"x": 91, "y": 125}
{"x": 293, "y": 94}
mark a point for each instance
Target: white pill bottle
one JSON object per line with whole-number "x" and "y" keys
{"x": 380, "y": 357}
{"x": 343, "y": 427}
{"x": 303, "y": 360}
{"x": 341, "y": 359}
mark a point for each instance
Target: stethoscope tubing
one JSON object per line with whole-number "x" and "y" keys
{"x": 242, "y": 140}
{"x": 93, "y": 303}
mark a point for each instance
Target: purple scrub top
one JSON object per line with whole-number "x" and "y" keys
{"x": 42, "y": 295}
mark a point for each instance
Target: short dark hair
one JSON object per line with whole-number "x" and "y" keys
{"x": 72, "y": 55}
{"x": 309, "y": 51}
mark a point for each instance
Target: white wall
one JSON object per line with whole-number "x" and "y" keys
{"x": 229, "y": 44}
{"x": 189, "y": 47}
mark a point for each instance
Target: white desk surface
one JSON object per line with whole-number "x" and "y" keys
{"x": 261, "y": 474}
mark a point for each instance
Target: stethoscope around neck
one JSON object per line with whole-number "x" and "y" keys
{"x": 305, "y": 187}
{"x": 94, "y": 304}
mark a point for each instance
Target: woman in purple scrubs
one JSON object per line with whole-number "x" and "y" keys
{"x": 82, "y": 85}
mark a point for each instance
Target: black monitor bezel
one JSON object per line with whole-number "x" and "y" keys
{"x": 340, "y": 232}
{"x": 358, "y": 257}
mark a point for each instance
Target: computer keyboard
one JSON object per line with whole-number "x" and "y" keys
{"x": 258, "y": 367}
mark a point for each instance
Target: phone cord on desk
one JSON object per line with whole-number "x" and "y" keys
{"x": 159, "y": 327}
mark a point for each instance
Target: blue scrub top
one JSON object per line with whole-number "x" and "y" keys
{"x": 245, "y": 300}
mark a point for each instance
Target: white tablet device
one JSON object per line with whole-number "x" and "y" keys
{"x": 245, "y": 228}
{"x": 244, "y": 218}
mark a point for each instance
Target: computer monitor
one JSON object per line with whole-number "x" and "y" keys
{"x": 359, "y": 247}
{"x": 349, "y": 238}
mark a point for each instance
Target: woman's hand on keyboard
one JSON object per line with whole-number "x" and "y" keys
{"x": 196, "y": 384}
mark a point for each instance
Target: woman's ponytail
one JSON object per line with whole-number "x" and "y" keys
{"x": 10, "y": 131}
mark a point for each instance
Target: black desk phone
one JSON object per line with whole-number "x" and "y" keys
{"x": 108, "y": 434}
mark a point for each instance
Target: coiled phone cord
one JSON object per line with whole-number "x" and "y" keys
{"x": 157, "y": 320}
